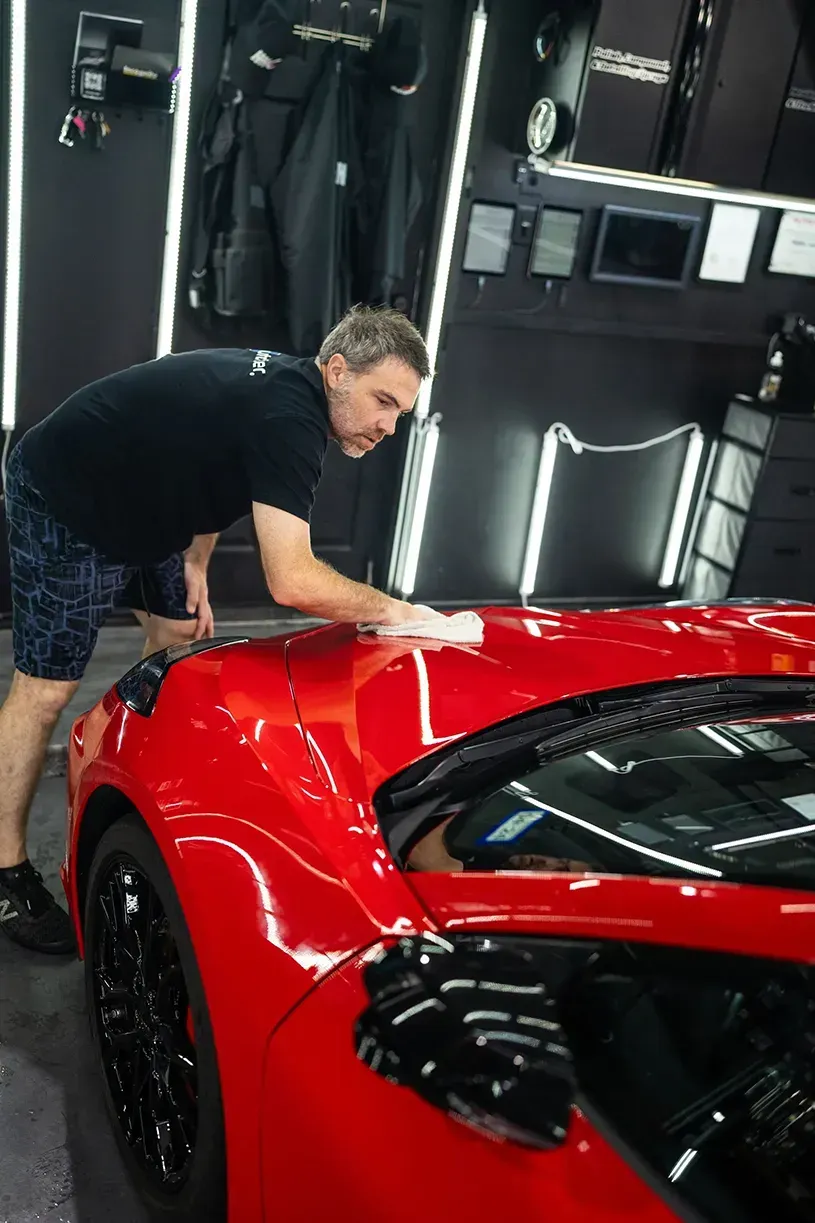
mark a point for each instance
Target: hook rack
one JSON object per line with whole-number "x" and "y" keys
{"x": 364, "y": 42}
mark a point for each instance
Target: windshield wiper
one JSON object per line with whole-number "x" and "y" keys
{"x": 574, "y": 726}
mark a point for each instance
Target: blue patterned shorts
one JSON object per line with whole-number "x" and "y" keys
{"x": 63, "y": 590}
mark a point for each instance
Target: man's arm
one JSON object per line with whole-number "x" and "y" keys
{"x": 296, "y": 578}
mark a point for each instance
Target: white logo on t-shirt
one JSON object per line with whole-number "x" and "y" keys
{"x": 262, "y": 359}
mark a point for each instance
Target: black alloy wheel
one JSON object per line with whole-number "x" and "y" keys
{"x": 151, "y": 1028}
{"x": 142, "y": 1014}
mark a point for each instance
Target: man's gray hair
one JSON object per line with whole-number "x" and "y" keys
{"x": 367, "y": 335}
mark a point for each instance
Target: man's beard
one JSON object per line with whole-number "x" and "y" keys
{"x": 340, "y": 414}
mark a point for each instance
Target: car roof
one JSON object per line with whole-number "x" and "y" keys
{"x": 372, "y": 706}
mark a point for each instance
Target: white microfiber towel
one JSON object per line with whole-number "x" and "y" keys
{"x": 464, "y": 628}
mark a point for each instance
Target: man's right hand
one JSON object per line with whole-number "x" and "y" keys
{"x": 408, "y": 613}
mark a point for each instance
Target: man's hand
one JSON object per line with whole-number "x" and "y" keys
{"x": 407, "y": 613}
{"x": 195, "y": 576}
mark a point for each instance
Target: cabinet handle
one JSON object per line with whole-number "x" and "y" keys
{"x": 803, "y": 490}
{"x": 787, "y": 551}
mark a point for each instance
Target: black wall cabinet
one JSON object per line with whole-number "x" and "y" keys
{"x": 741, "y": 92}
{"x": 633, "y": 68}
{"x": 757, "y": 531}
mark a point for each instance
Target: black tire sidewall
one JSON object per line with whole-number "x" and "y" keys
{"x": 203, "y": 1198}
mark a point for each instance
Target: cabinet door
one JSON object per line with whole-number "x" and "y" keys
{"x": 778, "y": 561}
{"x": 741, "y": 92}
{"x": 632, "y": 67}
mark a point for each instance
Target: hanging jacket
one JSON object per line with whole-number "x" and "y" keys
{"x": 390, "y": 199}
{"x": 312, "y": 206}
{"x": 233, "y": 255}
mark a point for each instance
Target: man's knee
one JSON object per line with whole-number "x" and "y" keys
{"x": 163, "y": 633}
{"x": 43, "y": 698}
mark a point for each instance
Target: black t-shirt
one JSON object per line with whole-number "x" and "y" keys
{"x": 140, "y": 462}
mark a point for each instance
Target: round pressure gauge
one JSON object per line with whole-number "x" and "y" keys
{"x": 542, "y": 126}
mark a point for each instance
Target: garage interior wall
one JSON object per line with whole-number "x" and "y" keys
{"x": 93, "y": 248}
{"x": 617, "y": 364}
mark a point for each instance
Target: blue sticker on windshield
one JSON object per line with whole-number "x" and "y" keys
{"x": 513, "y": 828}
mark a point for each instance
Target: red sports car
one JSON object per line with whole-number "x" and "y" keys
{"x": 387, "y": 930}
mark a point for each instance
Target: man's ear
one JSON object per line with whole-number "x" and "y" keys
{"x": 336, "y": 369}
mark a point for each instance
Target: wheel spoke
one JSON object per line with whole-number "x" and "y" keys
{"x": 184, "y": 1065}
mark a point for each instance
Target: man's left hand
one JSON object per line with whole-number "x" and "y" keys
{"x": 195, "y": 576}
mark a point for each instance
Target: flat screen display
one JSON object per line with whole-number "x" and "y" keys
{"x": 637, "y": 247}
{"x": 489, "y": 239}
{"x": 554, "y": 249}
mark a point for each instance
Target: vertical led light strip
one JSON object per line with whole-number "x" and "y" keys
{"x": 412, "y": 514}
{"x": 682, "y": 510}
{"x": 178, "y": 176}
{"x": 429, "y": 443}
{"x": 15, "y": 111}
{"x": 452, "y": 203}
{"x": 537, "y": 522}
{"x": 697, "y": 516}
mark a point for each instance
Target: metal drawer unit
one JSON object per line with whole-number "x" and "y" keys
{"x": 756, "y": 530}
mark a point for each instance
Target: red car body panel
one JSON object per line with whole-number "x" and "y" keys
{"x": 371, "y": 707}
{"x": 384, "y": 1154}
{"x": 255, "y": 775}
{"x": 221, "y": 778}
{"x": 766, "y": 922}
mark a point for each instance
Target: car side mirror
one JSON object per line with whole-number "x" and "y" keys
{"x": 466, "y": 1024}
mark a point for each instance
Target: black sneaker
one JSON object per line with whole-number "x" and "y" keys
{"x": 30, "y": 915}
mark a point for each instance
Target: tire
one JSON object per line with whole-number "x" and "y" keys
{"x": 158, "y": 1040}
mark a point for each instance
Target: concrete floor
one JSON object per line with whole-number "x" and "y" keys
{"x": 58, "y": 1159}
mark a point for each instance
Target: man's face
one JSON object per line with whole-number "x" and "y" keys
{"x": 365, "y": 408}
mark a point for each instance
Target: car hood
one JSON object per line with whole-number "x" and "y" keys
{"x": 370, "y": 706}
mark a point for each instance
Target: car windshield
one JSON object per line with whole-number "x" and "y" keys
{"x": 730, "y": 801}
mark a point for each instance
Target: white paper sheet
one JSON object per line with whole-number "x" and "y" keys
{"x": 730, "y": 241}
{"x": 794, "y": 250}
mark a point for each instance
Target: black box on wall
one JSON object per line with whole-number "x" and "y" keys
{"x": 632, "y": 67}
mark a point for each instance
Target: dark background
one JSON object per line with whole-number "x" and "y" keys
{"x": 616, "y": 364}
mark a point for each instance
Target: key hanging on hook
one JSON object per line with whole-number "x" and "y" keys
{"x": 68, "y": 131}
{"x": 101, "y": 130}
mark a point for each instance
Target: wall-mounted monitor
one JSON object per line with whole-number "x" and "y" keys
{"x": 489, "y": 239}
{"x": 639, "y": 247}
{"x": 556, "y": 241}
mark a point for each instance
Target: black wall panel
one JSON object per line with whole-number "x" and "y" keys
{"x": 94, "y": 223}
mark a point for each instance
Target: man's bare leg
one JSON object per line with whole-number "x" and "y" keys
{"x": 27, "y": 722}
{"x": 161, "y": 632}
{"x": 29, "y": 914}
